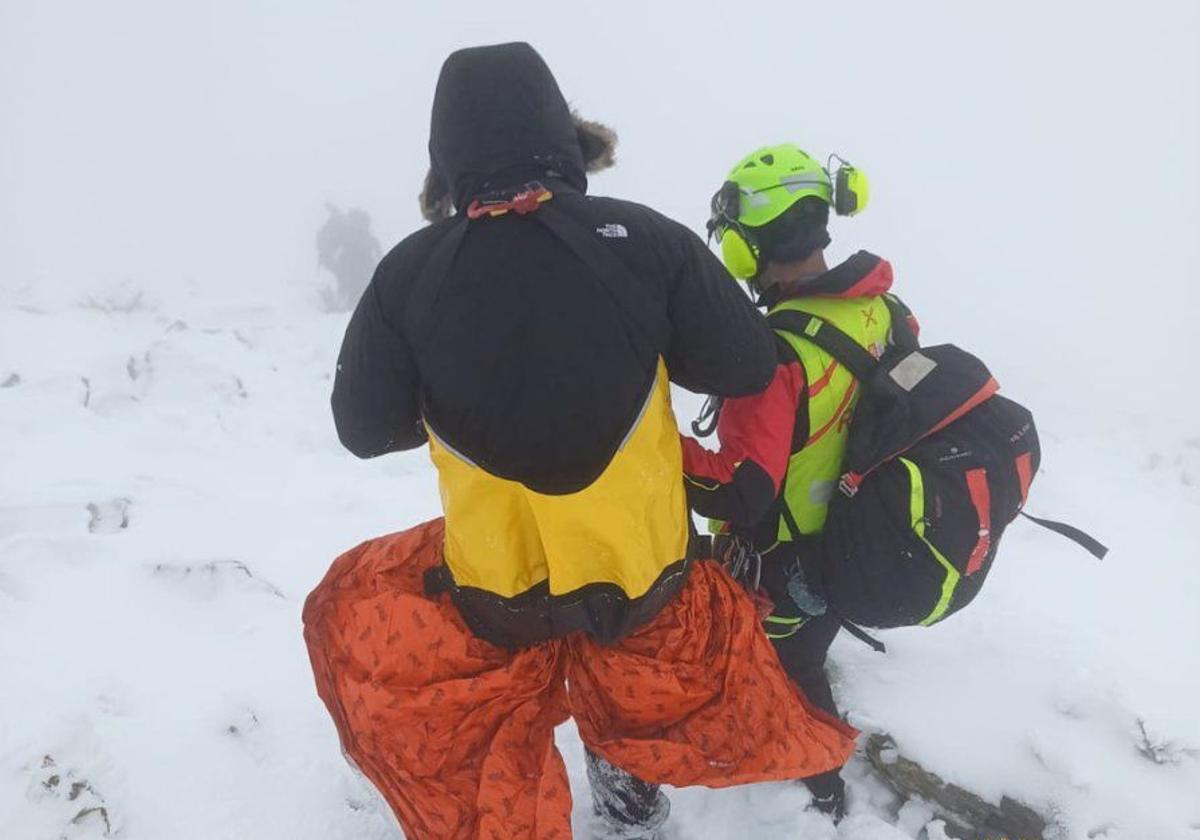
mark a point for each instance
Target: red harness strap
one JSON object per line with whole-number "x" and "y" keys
{"x": 1025, "y": 474}
{"x": 981, "y": 498}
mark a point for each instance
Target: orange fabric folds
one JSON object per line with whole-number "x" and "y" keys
{"x": 458, "y": 735}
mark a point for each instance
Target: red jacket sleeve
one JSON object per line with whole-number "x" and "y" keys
{"x": 739, "y": 482}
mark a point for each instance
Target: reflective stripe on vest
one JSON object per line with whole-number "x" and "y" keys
{"x": 916, "y": 507}
{"x": 813, "y": 471}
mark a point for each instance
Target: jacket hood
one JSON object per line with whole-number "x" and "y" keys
{"x": 862, "y": 275}
{"x": 499, "y": 118}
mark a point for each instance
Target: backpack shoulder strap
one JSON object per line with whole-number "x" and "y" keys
{"x": 829, "y": 338}
{"x": 611, "y": 274}
{"x": 904, "y": 335}
{"x": 418, "y": 325}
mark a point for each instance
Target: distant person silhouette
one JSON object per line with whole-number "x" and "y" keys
{"x": 348, "y": 250}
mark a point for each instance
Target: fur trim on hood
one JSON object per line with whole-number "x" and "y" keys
{"x": 435, "y": 198}
{"x": 597, "y": 143}
{"x": 472, "y": 108}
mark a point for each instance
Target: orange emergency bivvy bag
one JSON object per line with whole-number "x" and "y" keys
{"x": 457, "y": 734}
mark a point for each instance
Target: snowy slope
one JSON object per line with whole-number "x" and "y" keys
{"x": 172, "y": 489}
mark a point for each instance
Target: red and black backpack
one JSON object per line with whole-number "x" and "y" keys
{"x": 937, "y": 466}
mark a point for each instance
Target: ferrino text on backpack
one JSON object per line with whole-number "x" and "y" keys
{"x": 937, "y": 465}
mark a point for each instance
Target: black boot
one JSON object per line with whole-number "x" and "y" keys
{"x": 628, "y": 808}
{"x": 828, "y": 793}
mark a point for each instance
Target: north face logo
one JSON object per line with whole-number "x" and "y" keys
{"x": 613, "y": 231}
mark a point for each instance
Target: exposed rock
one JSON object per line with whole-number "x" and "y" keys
{"x": 109, "y": 517}
{"x": 1161, "y": 750}
{"x": 90, "y": 811}
{"x": 124, "y": 300}
{"x": 968, "y": 816}
{"x": 97, "y": 812}
{"x": 218, "y": 573}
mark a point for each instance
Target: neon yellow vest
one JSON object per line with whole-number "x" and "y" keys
{"x": 813, "y": 472}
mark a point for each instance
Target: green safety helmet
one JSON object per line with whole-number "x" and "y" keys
{"x": 763, "y": 185}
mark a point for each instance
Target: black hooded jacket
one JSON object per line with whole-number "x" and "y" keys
{"x": 521, "y": 355}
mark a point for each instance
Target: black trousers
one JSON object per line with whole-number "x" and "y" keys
{"x": 633, "y": 807}
{"x": 803, "y": 656}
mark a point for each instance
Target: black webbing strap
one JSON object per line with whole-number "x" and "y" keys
{"x": 1089, "y": 543}
{"x": 903, "y": 334}
{"x": 438, "y": 580}
{"x": 789, "y": 519}
{"x": 863, "y": 636}
{"x": 604, "y": 263}
{"x": 699, "y": 546}
{"x": 706, "y": 423}
{"x": 844, "y": 349}
{"x": 429, "y": 280}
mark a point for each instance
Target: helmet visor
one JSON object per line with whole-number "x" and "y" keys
{"x": 724, "y": 208}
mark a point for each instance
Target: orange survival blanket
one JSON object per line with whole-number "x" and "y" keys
{"x": 458, "y": 735}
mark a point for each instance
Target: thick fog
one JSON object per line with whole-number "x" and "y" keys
{"x": 171, "y": 486}
{"x": 1033, "y": 164}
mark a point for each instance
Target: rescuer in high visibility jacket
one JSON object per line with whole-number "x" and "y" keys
{"x": 781, "y": 450}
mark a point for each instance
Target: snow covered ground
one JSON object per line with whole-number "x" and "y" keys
{"x": 172, "y": 489}
{"x": 171, "y": 486}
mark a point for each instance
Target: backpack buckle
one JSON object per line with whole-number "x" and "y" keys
{"x": 849, "y": 484}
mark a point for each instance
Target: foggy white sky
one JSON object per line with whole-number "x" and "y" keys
{"x": 1033, "y": 164}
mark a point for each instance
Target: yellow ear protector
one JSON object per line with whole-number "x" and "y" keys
{"x": 739, "y": 251}
{"x": 739, "y": 248}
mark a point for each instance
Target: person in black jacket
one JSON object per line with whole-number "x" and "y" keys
{"x": 530, "y": 336}
{"x": 532, "y": 349}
